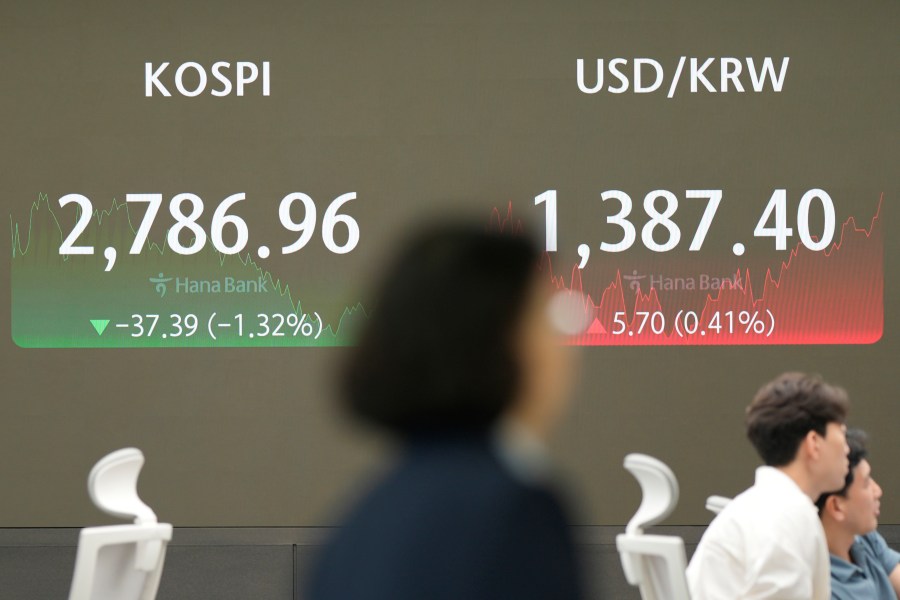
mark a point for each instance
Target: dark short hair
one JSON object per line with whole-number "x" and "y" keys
{"x": 438, "y": 351}
{"x": 786, "y": 409}
{"x": 856, "y": 440}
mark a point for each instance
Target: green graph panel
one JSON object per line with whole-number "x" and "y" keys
{"x": 155, "y": 299}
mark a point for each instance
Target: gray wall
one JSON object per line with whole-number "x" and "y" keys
{"x": 418, "y": 107}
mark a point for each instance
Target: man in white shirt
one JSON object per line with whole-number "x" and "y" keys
{"x": 768, "y": 543}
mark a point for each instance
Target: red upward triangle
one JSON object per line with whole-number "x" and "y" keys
{"x": 596, "y": 328}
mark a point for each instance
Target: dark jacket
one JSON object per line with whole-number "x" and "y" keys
{"x": 450, "y": 522}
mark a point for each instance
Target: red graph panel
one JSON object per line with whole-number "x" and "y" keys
{"x": 832, "y": 296}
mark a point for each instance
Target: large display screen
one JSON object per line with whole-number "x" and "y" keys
{"x": 196, "y": 188}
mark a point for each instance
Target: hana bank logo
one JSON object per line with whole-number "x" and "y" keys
{"x": 161, "y": 282}
{"x": 225, "y": 285}
{"x": 634, "y": 280}
{"x": 660, "y": 282}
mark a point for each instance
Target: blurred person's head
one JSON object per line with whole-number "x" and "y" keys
{"x": 796, "y": 423}
{"x": 459, "y": 337}
{"x": 853, "y": 510}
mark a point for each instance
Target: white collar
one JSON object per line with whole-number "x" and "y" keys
{"x": 774, "y": 478}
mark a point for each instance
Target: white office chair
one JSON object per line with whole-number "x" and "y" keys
{"x": 716, "y": 504}
{"x": 654, "y": 563}
{"x": 120, "y": 562}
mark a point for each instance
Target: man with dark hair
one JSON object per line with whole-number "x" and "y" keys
{"x": 768, "y": 542}
{"x": 863, "y": 567}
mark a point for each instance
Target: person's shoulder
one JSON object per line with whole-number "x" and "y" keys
{"x": 727, "y": 525}
{"x": 758, "y": 511}
{"x": 449, "y": 478}
{"x": 872, "y": 541}
{"x": 450, "y": 464}
{"x": 743, "y": 507}
{"x": 776, "y": 493}
{"x": 435, "y": 490}
{"x": 874, "y": 545}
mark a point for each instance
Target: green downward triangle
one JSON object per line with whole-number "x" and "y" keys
{"x": 100, "y": 325}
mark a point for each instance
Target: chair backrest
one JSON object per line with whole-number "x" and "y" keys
{"x": 121, "y": 562}
{"x": 716, "y": 504}
{"x": 654, "y": 563}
